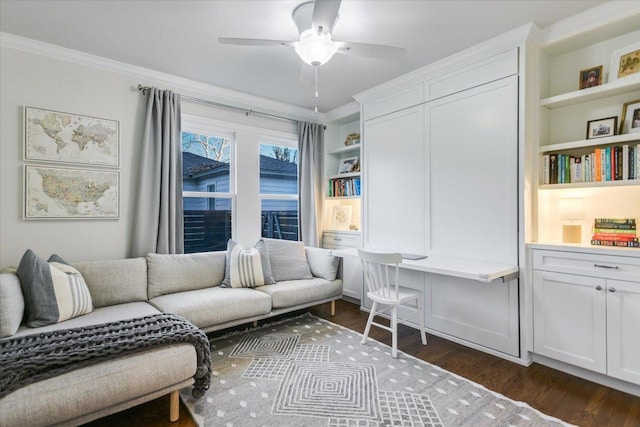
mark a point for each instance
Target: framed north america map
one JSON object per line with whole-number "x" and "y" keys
{"x": 54, "y": 136}
{"x": 64, "y": 193}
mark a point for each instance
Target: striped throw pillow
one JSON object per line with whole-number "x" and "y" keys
{"x": 246, "y": 268}
{"x": 53, "y": 291}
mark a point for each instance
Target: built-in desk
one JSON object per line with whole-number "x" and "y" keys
{"x": 474, "y": 303}
{"x": 466, "y": 269}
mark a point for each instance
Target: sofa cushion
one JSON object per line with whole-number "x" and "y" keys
{"x": 112, "y": 313}
{"x": 53, "y": 291}
{"x": 115, "y": 281}
{"x": 212, "y": 306}
{"x": 261, "y": 248}
{"x": 288, "y": 260}
{"x": 184, "y": 272}
{"x": 86, "y": 392}
{"x": 322, "y": 263}
{"x": 11, "y": 304}
{"x": 296, "y": 292}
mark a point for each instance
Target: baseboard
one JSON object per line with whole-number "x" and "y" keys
{"x": 588, "y": 375}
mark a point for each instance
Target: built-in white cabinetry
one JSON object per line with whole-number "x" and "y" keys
{"x": 394, "y": 196}
{"x": 441, "y": 179}
{"x": 352, "y": 274}
{"x": 586, "y": 310}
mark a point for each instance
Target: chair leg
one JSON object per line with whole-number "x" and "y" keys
{"x": 423, "y": 334}
{"x": 368, "y": 327}
{"x": 394, "y": 331}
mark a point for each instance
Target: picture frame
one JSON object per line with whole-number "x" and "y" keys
{"x": 70, "y": 193}
{"x": 625, "y": 62}
{"x": 590, "y": 77}
{"x": 601, "y": 128}
{"x": 341, "y": 217}
{"x": 347, "y": 164}
{"x": 61, "y": 137}
{"x": 630, "y": 118}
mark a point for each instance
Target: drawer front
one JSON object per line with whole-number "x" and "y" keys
{"x": 485, "y": 71}
{"x": 339, "y": 241}
{"x": 606, "y": 266}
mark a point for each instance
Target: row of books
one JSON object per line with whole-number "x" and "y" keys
{"x": 604, "y": 164}
{"x": 344, "y": 187}
{"x": 620, "y": 232}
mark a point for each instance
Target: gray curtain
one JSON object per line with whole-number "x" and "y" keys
{"x": 310, "y": 145}
{"x": 158, "y": 220}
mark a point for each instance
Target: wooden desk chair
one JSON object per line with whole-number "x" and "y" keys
{"x": 389, "y": 293}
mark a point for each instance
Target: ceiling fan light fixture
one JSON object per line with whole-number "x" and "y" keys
{"x": 315, "y": 49}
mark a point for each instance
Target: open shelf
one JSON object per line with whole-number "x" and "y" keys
{"x": 345, "y": 150}
{"x": 617, "y": 87}
{"x": 616, "y": 139}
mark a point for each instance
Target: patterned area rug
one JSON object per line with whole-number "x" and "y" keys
{"x": 306, "y": 371}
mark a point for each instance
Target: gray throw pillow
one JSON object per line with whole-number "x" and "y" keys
{"x": 261, "y": 247}
{"x": 53, "y": 291}
{"x": 322, "y": 263}
{"x": 288, "y": 260}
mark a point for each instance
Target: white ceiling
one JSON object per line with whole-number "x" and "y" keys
{"x": 180, "y": 38}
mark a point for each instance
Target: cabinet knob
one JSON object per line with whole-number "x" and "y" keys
{"x": 598, "y": 288}
{"x": 612, "y": 289}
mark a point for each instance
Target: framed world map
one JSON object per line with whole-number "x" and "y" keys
{"x": 54, "y": 136}
{"x": 64, "y": 193}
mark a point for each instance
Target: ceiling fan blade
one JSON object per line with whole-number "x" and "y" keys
{"x": 367, "y": 50}
{"x": 254, "y": 42}
{"x": 325, "y": 15}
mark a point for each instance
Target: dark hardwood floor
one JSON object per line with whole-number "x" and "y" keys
{"x": 555, "y": 393}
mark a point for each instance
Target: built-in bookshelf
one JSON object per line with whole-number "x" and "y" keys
{"x": 343, "y": 186}
{"x": 599, "y": 172}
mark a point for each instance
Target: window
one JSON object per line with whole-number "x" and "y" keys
{"x": 207, "y": 163}
{"x": 279, "y": 189}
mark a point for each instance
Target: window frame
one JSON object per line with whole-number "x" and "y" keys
{"x": 211, "y": 127}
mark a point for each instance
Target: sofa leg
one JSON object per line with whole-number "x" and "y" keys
{"x": 333, "y": 308}
{"x": 255, "y": 323}
{"x": 174, "y": 406}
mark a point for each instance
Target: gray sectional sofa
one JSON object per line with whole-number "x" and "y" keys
{"x": 187, "y": 285}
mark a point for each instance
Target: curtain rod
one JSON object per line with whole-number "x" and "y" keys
{"x": 144, "y": 90}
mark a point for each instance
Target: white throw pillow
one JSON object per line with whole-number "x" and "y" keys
{"x": 246, "y": 268}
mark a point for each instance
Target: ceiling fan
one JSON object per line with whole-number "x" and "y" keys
{"x": 315, "y": 21}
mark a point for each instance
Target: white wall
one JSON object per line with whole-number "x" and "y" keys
{"x": 41, "y": 81}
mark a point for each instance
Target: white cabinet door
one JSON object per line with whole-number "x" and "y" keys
{"x": 570, "y": 319}
{"x": 472, "y": 138}
{"x": 352, "y": 278}
{"x": 623, "y": 330}
{"x": 394, "y": 172}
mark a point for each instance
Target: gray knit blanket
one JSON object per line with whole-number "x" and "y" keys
{"x": 27, "y": 359}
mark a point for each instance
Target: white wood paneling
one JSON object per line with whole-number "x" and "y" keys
{"x": 623, "y": 330}
{"x": 570, "y": 319}
{"x": 482, "y": 313}
{"x": 394, "y": 175}
{"x": 473, "y": 183}
{"x": 396, "y": 101}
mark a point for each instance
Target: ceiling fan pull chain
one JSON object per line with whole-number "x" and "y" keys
{"x": 316, "y": 98}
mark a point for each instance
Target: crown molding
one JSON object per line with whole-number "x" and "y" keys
{"x": 480, "y": 51}
{"x": 150, "y": 77}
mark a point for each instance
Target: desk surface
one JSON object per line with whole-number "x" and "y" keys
{"x": 467, "y": 269}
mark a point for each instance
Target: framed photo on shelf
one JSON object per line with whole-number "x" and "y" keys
{"x": 341, "y": 217}
{"x": 625, "y": 62}
{"x": 630, "y": 118}
{"x": 347, "y": 164}
{"x": 591, "y": 77}
{"x": 601, "y": 128}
